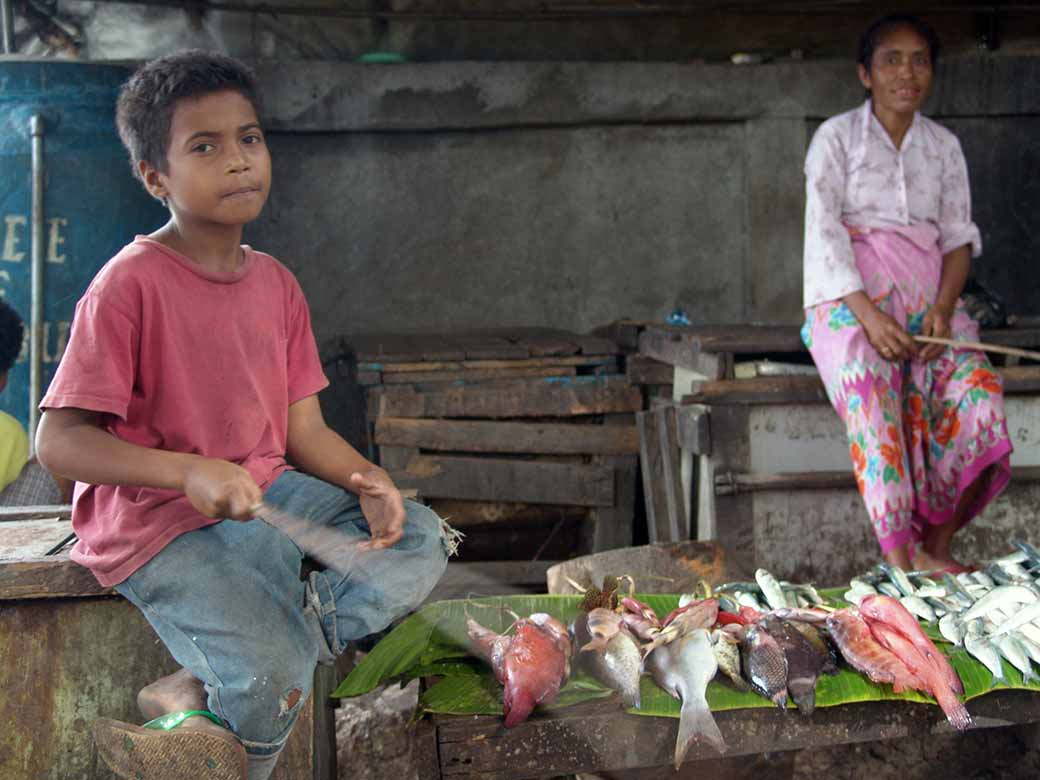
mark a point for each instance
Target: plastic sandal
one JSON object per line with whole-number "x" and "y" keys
{"x": 159, "y": 750}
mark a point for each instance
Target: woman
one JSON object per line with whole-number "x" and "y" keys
{"x": 888, "y": 242}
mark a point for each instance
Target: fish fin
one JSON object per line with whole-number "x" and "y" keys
{"x": 805, "y": 701}
{"x": 597, "y": 643}
{"x": 696, "y": 722}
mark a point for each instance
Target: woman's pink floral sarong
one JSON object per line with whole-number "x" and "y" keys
{"x": 920, "y": 434}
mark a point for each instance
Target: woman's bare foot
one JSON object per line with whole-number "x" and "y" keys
{"x": 174, "y": 693}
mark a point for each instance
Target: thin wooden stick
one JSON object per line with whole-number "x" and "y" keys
{"x": 980, "y": 346}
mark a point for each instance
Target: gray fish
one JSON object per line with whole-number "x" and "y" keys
{"x": 918, "y": 608}
{"x": 999, "y": 598}
{"x": 819, "y": 641}
{"x": 771, "y": 590}
{"x": 683, "y": 668}
{"x": 890, "y": 590}
{"x": 983, "y": 651}
{"x": 765, "y": 665}
{"x": 727, "y": 653}
{"x": 957, "y": 589}
{"x": 1011, "y": 648}
{"x": 951, "y": 629}
{"x": 615, "y": 660}
{"x": 898, "y": 578}
{"x": 804, "y": 663}
{"x": 1031, "y": 552}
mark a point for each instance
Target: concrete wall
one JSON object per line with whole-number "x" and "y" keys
{"x": 459, "y": 195}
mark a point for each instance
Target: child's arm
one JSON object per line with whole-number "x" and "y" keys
{"x": 70, "y": 443}
{"x": 317, "y": 449}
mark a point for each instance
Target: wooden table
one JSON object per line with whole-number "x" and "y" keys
{"x": 601, "y": 737}
{"x": 74, "y": 651}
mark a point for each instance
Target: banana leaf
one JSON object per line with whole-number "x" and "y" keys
{"x": 432, "y": 643}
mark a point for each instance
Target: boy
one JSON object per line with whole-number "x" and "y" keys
{"x": 188, "y": 385}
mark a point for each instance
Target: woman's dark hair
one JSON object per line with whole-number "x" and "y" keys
{"x": 144, "y": 111}
{"x": 11, "y": 333}
{"x": 870, "y": 39}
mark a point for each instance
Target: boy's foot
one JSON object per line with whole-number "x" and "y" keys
{"x": 194, "y": 747}
{"x": 139, "y": 753}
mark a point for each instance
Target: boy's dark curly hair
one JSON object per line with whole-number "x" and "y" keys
{"x": 144, "y": 111}
{"x": 12, "y": 331}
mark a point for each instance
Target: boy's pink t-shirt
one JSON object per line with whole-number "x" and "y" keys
{"x": 176, "y": 357}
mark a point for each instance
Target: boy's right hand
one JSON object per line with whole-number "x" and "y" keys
{"x": 219, "y": 488}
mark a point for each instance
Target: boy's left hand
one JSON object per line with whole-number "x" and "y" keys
{"x": 382, "y": 506}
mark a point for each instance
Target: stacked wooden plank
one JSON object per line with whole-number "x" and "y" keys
{"x": 524, "y": 438}
{"x": 766, "y": 456}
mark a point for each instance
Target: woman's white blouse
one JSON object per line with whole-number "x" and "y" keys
{"x": 855, "y": 176}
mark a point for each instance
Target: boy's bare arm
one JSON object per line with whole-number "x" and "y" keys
{"x": 70, "y": 443}
{"x": 317, "y": 449}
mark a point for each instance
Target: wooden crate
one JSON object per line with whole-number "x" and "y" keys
{"x": 524, "y": 438}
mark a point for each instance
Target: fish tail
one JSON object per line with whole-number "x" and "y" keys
{"x": 696, "y": 722}
{"x": 954, "y": 708}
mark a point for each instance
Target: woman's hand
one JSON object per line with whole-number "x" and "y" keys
{"x": 885, "y": 335}
{"x": 936, "y": 323}
{"x": 219, "y": 488}
{"x": 382, "y": 506}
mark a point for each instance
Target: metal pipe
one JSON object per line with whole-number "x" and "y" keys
{"x": 8, "y": 25}
{"x": 38, "y": 245}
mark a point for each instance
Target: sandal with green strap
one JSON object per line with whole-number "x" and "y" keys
{"x": 159, "y": 750}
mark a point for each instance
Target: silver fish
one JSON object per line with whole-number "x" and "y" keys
{"x": 918, "y": 608}
{"x": 1000, "y": 598}
{"x": 1011, "y": 648}
{"x": 1030, "y": 551}
{"x": 684, "y": 668}
{"x": 952, "y": 629}
{"x": 983, "y": 579}
{"x": 771, "y": 590}
{"x": 747, "y": 600}
{"x": 898, "y": 578}
{"x": 983, "y": 651}
{"x": 889, "y": 590}
{"x": 1025, "y": 615}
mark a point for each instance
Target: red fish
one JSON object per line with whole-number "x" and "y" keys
{"x": 532, "y": 664}
{"x": 915, "y": 661}
{"x": 858, "y": 646}
{"x": 888, "y": 610}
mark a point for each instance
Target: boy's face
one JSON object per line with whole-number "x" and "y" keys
{"x": 218, "y": 169}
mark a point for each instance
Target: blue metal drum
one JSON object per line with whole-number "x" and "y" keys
{"x": 92, "y": 204}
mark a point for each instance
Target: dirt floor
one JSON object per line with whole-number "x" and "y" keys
{"x": 374, "y": 742}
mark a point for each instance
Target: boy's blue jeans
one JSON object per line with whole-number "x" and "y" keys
{"x": 228, "y": 602}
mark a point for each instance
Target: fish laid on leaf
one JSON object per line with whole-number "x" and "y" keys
{"x": 890, "y": 611}
{"x": 532, "y": 664}
{"x": 697, "y": 614}
{"x": 683, "y": 668}
{"x": 765, "y": 665}
{"x": 858, "y": 646}
{"x": 816, "y": 638}
{"x": 804, "y": 662}
{"x": 727, "y": 654}
{"x": 608, "y": 652}
{"x": 914, "y": 660}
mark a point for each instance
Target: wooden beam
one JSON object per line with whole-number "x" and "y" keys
{"x": 681, "y": 348}
{"x": 643, "y": 370}
{"x": 758, "y": 390}
{"x": 729, "y": 483}
{"x": 485, "y": 365}
{"x": 522, "y": 398}
{"x": 60, "y": 511}
{"x": 507, "y": 437}
{"x": 470, "y": 375}
{"x": 662, "y": 486}
{"x": 54, "y": 576}
{"x": 488, "y": 479}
